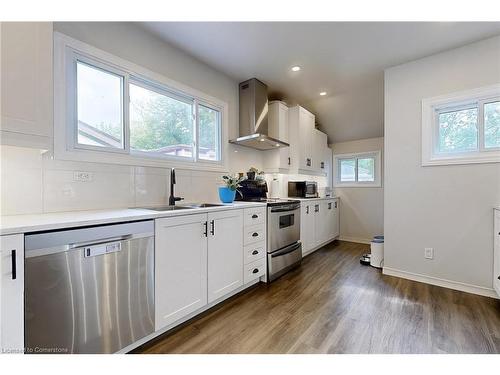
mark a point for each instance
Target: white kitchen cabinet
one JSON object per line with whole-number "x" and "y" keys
{"x": 319, "y": 223}
{"x": 12, "y": 293}
{"x": 279, "y": 160}
{"x": 320, "y": 144}
{"x": 180, "y": 267}
{"x": 301, "y": 128}
{"x": 307, "y": 226}
{"x": 496, "y": 253}
{"x": 27, "y": 85}
{"x": 225, "y": 253}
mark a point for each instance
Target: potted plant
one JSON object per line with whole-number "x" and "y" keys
{"x": 227, "y": 193}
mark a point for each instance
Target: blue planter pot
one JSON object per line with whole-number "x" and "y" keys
{"x": 226, "y": 195}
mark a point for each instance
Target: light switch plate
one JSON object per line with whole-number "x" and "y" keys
{"x": 429, "y": 253}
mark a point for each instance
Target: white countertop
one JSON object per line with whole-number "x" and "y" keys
{"x": 312, "y": 199}
{"x": 49, "y": 221}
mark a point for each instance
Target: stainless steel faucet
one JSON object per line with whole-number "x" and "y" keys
{"x": 172, "y": 198}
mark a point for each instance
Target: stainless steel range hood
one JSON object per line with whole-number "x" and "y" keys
{"x": 253, "y": 118}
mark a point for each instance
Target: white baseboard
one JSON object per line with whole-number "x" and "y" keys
{"x": 463, "y": 287}
{"x": 355, "y": 239}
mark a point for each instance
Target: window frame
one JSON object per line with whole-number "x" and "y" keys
{"x": 67, "y": 52}
{"x": 377, "y": 170}
{"x": 433, "y": 107}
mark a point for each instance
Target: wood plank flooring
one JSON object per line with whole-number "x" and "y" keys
{"x": 332, "y": 304}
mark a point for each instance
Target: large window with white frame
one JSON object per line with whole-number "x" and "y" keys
{"x": 462, "y": 128}
{"x": 357, "y": 169}
{"x": 112, "y": 109}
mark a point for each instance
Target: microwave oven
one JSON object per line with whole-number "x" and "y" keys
{"x": 303, "y": 189}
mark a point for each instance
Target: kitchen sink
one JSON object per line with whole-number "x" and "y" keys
{"x": 201, "y": 205}
{"x": 166, "y": 208}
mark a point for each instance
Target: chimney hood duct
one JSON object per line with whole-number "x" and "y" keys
{"x": 253, "y": 118}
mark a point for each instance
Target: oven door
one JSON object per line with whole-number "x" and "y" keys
{"x": 283, "y": 226}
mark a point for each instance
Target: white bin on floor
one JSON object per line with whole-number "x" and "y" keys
{"x": 377, "y": 253}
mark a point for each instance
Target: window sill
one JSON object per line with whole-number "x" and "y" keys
{"x": 477, "y": 158}
{"x": 126, "y": 159}
{"x": 358, "y": 185}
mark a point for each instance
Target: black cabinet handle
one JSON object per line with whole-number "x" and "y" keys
{"x": 307, "y": 209}
{"x": 255, "y": 270}
{"x": 254, "y": 216}
{"x": 335, "y": 204}
{"x": 255, "y": 252}
{"x": 329, "y": 206}
{"x": 255, "y": 234}
{"x": 14, "y": 264}
{"x": 212, "y": 230}
{"x": 206, "y": 229}
{"x": 289, "y": 161}
{"x": 322, "y": 165}
{"x": 498, "y": 277}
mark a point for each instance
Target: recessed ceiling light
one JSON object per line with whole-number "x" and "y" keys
{"x": 277, "y": 145}
{"x": 295, "y": 68}
{"x": 322, "y": 93}
{"x": 262, "y": 139}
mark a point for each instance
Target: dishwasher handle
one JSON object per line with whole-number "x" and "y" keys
{"x": 100, "y": 241}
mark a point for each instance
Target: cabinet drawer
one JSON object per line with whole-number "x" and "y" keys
{"x": 254, "y": 216}
{"x": 255, "y": 233}
{"x": 254, "y": 270}
{"x": 254, "y": 252}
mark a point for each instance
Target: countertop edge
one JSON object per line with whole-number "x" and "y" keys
{"x": 73, "y": 219}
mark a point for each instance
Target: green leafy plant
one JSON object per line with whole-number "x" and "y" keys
{"x": 232, "y": 182}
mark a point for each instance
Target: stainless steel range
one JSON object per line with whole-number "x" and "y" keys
{"x": 284, "y": 249}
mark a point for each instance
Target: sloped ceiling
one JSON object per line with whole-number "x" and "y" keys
{"x": 345, "y": 59}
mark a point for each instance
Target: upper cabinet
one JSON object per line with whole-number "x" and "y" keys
{"x": 307, "y": 144}
{"x": 27, "y": 88}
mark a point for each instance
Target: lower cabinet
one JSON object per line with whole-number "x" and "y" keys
{"x": 496, "y": 253}
{"x": 12, "y": 293}
{"x": 307, "y": 226}
{"x": 319, "y": 223}
{"x": 225, "y": 253}
{"x": 198, "y": 259}
{"x": 180, "y": 267}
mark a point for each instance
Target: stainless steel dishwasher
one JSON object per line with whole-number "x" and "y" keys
{"x": 89, "y": 290}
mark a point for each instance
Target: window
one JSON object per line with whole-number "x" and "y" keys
{"x": 160, "y": 124}
{"x": 99, "y": 106}
{"x": 110, "y": 110}
{"x": 462, "y": 128}
{"x": 356, "y": 170}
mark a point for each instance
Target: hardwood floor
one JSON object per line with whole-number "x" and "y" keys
{"x": 332, "y": 304}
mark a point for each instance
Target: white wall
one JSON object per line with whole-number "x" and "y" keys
{"x": 362, "y": 208}
{"x": 47, "y": 184}
{"x": 448, "y": 208}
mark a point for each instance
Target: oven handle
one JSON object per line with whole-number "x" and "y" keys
{"x": 285, "y": 208}
{"x": 286, "y": 250}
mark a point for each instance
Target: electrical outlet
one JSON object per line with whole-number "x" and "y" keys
{"x": 429, "y": 253}
{"x": 82, "y": 176}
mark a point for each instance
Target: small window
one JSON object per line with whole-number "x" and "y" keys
{"x": 99, "y": 107}
{"x": 458, "y": 130}
{"x": 356, "y": 170}
{"x": 347, "y": 170}
{"x": 366, "y": 169}
{"x": 160, "y": 124}
{"x": 462, "y": 128}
